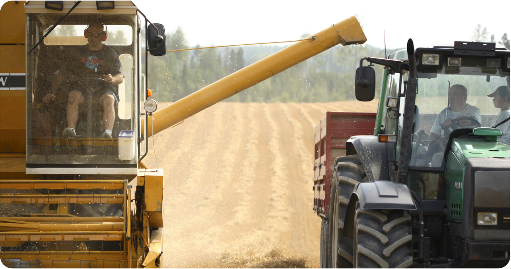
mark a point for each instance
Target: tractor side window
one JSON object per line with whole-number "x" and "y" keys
{"x": 393, "y": 87}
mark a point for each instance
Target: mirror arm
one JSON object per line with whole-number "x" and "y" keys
{"x": 396, "y": 65}
{"x": 158, "y": 36}
{"x": 154, "y": 26}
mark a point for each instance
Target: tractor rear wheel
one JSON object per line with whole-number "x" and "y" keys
{"x": 348, "y": 173}
{"x": 382, "y": 238}
{"x": 324, "y": 249}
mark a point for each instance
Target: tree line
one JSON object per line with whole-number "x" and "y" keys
{"x": 326, "y": 77}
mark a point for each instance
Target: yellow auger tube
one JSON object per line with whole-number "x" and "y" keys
{"x": 346, "y": 32}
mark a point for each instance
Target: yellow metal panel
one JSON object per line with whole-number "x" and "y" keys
{"x": 13, "y": 58}
{"x": 12, "y": 164}
{"x": 121, "y": 7}
{"x": 154, "y": 191}
{"x": 14, "y": 140}
{"x": 14, "y": 185}
{"x": 12, "y": 108}
{"x": 103, "y": 186}
{"x": 51, "y": 186}
{"x": 12, "y": 23}
{"x": 12, "y": 122}
{"x": 156, "y": 219}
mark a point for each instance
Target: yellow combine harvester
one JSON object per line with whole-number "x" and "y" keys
{"x": 73, "y": 189}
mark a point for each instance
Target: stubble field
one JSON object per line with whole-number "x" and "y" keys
{"x": 238, "y": 185}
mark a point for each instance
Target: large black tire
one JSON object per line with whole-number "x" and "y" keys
{"x": 382, "y": 238}
{"x": 324, "y": 249}
{"x": 348, "y": 173}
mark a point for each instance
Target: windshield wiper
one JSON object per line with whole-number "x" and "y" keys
{"x": 53, "y": 27}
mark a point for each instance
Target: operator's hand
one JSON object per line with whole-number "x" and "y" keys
{"x": 447, "y": 122}
{"x": 465, "y": 122}
{"x": 109, "y": 79}
{"x": 49, "y": 97}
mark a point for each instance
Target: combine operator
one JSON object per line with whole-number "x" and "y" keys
{"x": 95, "y": 67}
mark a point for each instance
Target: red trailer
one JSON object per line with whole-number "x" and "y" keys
{"x": 330, "y": 139}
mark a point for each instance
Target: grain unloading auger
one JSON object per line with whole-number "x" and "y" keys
{"x": 346, "y": 32}
{"x": 88, "y": 201}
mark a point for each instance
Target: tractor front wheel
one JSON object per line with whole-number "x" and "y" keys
{"x": 382, "y": 238}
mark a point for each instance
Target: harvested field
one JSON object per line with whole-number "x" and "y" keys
{"x": 238, "y": 185}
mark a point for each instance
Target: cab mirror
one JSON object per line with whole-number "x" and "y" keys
{"x": 156, "y": 43}
{"x": 364, "y": 83}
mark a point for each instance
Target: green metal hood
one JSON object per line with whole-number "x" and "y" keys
{"x": 465, "y": 148}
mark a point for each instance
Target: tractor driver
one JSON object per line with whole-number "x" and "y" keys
{"x": 458, "y": 107}
{"x": 89, "y": 64}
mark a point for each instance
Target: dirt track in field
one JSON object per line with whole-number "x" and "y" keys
{"x": 238, "y": 183}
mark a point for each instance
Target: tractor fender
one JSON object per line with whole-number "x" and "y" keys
{"x": 381, "y": 194}
{"x": 373, "y": 155}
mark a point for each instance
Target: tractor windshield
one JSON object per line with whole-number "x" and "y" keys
{"x": 81, "y": 108}
{"x": 448, "y": 101}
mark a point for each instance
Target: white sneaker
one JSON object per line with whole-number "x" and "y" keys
{"x": 107, "y": 134}
{"x": 69, "y": 132}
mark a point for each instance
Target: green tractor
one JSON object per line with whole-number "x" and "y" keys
{"x": 430, "y": 188}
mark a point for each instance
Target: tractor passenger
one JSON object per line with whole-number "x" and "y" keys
{"x": 501, "y": 122}
{"x": 457, "y": 108}
{"x": 92, "y": 66}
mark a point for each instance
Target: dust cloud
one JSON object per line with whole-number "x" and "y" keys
{"x": 238, "y": 185}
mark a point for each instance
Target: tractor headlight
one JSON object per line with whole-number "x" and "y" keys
{"x": 487, "y": 218}
{"x": 454, "y": 61}
{"x": 493, "y": 62}
{"x": 430, "y": 59}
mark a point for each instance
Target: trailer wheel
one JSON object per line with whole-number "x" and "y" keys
{"x": 348, "y": 173}
{"x": 382, "y": 238}
{"x": 324, "y": 248}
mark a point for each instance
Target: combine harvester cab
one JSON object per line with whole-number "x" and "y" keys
{"x": 417, "y": 193}
{"x": 75, "y": 201}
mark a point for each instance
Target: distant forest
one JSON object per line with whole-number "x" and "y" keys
{"x": 326, "y": 77}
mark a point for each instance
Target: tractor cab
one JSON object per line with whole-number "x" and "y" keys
{"x": 442, "y": 141}
{"x": 455, "y": 91}
{"x": 82, "y": 80}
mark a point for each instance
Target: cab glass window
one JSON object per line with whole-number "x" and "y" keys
{"x": 68, "y": 86}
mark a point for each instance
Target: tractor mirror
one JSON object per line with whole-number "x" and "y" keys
{"x": 364, "y": 83}
{"x": 156, "y": 40}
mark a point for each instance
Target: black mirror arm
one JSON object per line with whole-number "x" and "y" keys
{"x": 396, "y": 65}
{"x": 159, "y": 38}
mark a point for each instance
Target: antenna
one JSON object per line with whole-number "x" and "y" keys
{"x": 384, "y": 45}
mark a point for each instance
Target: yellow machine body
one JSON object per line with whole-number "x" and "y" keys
{"x": 78, "y": 216}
